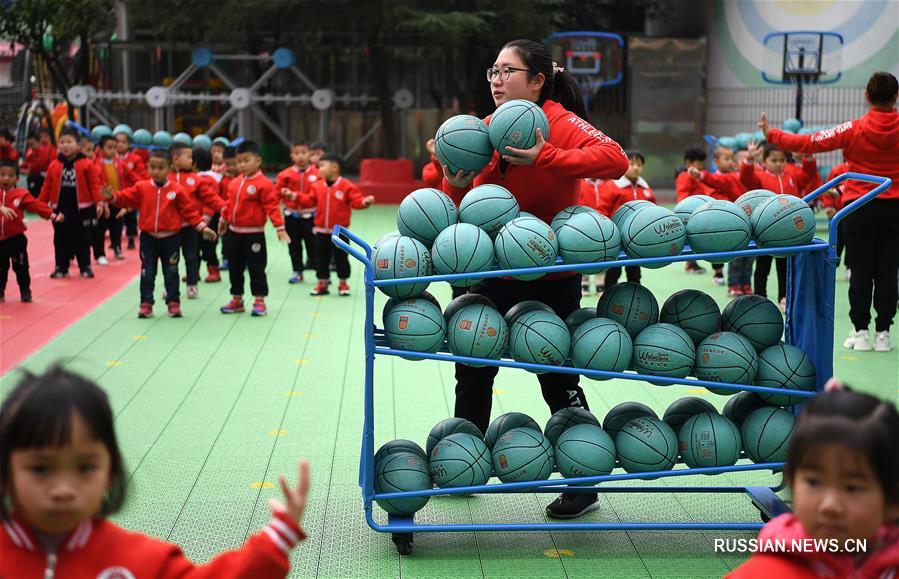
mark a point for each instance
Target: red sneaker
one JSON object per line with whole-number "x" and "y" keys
{"x": 214, "y": 275}
{"x": 734, "y": 291}
{"x": 320, "y": 289}
{"x": 344, "y": 288}
{"x": 259, "y": 308}
{"x": 747, "y": 290}
{"x": 145, "y": 310}
{"x": 174, "y": 310}
{"x": 235, "y": 306}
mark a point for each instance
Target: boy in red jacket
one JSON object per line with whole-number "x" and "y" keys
{"x": 334, "y": 197}
{"x": 40, "y": 154}
{"x": 136, "y": 162}
{"x": 209, "y": 179}
{"x": 251, "y": 197}
{"x": 72, "y": 190}
{"x": 293, "y": 182}
{"x": 163, "y": 206}
{"x": 229, "y": 160}
{"x": 115, "y": 174}
{"x": 14, "y": 202}
{"x": 7, "y": 149}
{"x": 686, "y": 186}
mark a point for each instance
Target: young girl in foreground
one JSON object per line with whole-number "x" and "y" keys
{"x": 61, "y": 475}
{"x": 843, "y": 468}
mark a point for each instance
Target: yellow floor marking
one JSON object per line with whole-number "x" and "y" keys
{"x": 278, "y": 432}
{"x": 556, "y": 553}
{"x": 262, "y": 485}
{"x": 113, "y": 363}
{"x": 293, "y": 393}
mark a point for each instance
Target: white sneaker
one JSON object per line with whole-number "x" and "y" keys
{"x": 193, "y": 292}
{"x": 848, "y": 274}
{"x": 859, "y": 341}
{"x": 102, "y": 260}
{"x": 882, "y": 341}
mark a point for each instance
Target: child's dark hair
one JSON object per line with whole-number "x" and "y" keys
{"x": 635, "y": 154}
{"x": 248, "y": 147}
{"x": 558, "y": 86}
{"x": 319, "y": 145}
{"x": 230, "y": 153}
{"x": 333, "y": 157}
{"x": 9, "y": 164}
{"x": 7, "y": 134}
{"x": 202, "y": 159}
{"x": 161, "y": 154}
{"x": 38, "y": 413}
{"x": 218, "y": 144}
{"x": 177, "y": 147}
{"x": 694, "y": 153}
{"x": 68, "y": 131}
{"x": 771, "y": 148}
{"x": 299, "y": 143}
{"x": 105, "y": 139}
{"x": 865, "y": 424}
{"x": 882, "y": 89}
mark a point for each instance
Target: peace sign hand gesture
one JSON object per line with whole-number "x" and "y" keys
{"x": 294, "y": 498}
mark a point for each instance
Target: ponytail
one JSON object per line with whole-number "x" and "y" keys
{"x": 559, "y": 86}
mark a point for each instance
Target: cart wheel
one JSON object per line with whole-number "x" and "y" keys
{"x": 403, "y": 542}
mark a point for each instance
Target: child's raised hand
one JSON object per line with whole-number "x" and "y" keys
{"x": 8, "y": 212}
{"x": 369, "y": 200}
{"x": 283, "y": 237}
{"x": 209, "y": 234}
{"x": 695, "y": 173}
{"x": 461, "y": 179}
{"x": 294, "y": 498}
{"x": 754, "y": 149}
{"x": 763, "y": 124}
{"x": 526, "y": 156}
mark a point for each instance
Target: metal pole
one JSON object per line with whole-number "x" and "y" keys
{"x": 799, "y": 97}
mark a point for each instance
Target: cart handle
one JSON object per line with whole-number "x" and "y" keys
{"x": 336, "y": 239}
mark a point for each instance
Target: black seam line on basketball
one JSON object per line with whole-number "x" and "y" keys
{"x": 732, "y": 351}
{"x": 647, "y": 445}
{"x": 758, "y": 441}
{"x": 600, "y": 346}
{"x": 471, "y": 204}
{"x": 526, "y": 252}
{"x": 757, "y": 301}
{"x": 541, "y": 232}
{"x": 548, "y": 341}
{"x": 796, "y": 209}
{"x": 681, "y": 320}
{"x": 471, "y": 254}
{"x": 465, "y": 449}
{"x": 715, "y": 438}
{"x": 425, "y": 213}
{"x": 469, "y": 151}
{"x": 670, "y": 350}
{"x": 512, "y": 124}
{"x": 585, "y": 234}
{"x": 690, "y": 441}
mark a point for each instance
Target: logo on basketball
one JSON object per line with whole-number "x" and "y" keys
{"x": 410, "y": 263}
{"x": 404, "y": 322}
{"x": 550, "y": 235}
{"x": 171, "y": 195}
{"x": 672, "y": 249}
{"x": 799, "y": 222}
{"x": 783, "y": 201}
{"x": 617, "y": 309}
{"x": 515, "y": 137}
{"x": 643, "y": 316}
{"x": 383, "y": 264}
{"x": 503, "y": 463}
{"x": 464, "y": 324}
{"x": 747, "y": 210}
{"x": 491, "y": 332}
{"x": 705, "y": 358}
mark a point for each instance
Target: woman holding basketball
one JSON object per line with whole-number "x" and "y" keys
{"x": 544, "y": 179}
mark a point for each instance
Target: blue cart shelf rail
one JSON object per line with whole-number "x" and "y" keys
{"x": 811, "y": 271}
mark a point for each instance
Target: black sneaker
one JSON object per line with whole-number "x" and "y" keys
{"x": 572, "y": 505}
{"x": 26, "y": 298}
{"x": 87, "y": 272}
{"x": 59, "y": 273}
{"x": 130, "y": 243}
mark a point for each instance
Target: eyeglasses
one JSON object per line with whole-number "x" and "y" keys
{"x": 504, "y": 72}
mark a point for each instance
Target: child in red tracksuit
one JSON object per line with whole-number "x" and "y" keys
{"x": 115, "y": 174}
{"x": 432, "y": 172}
{"x": 251, "y": 197}
{"x": 212, "y": 181}
{"x": 334, "y": 198}
{"x": 7, "y": 149}
{"x": 40, "y": 154}
{"x": 136, "y": 162}
{"x": 841, "y": 467}
{"x": 63, "y": 475}
{"x": 14, "y": 202}
{"x": 292, "y": 183}
{"x": 685, "y": 186}
{"x": 229, "y": 160}
{"x": 589, "y": 197}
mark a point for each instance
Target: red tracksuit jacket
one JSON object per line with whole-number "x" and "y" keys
{"x": 250, "y": 199}
{"x": 616, "y": 192}
{"x": 298, "y": 181}
{"x": 211, "y": 181}
{"x": 203, "y": 193}
{"x": 163, "y": 208}
{"x": 8, "y": 152}
{"x": 223, "y": 186}
{"x": 870, "y": 145}
{"x": 727, "y": 185}
{"x": 432, "y": 173}
{"x": 125, "y": 175}
{"x": 137, "y": 165}
{"x": 687, "y": 186}
{"x": 834, "y": 197}
{"x": 37, "y": 161}
{"x": 756, "y": 177}
{"x": 333, "y": 203}
{"x": 589, "y": 195}
{"x": 87, "y": 184}
{"x": 575, "y": 150}
{"x": 99, "y": 548}
{"x": 20, "y": 201}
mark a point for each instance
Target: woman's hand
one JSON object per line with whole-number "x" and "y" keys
{"x": 526, "y": 156}
{"x": 461, "y": 179}
{"x": 295, "y": 499}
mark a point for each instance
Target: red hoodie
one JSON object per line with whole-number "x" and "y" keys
{"x": 589, "y": 195}
{"x": 163, "y": 208}
{"x": 870, "y": 145}
{"x": 99, "y": 548}
{"x": 755, "y": 177}
{"x": 616, "y": 192}
{"x": 432, "y": 173}
{"x": 203, "y": 193}
{"x": 137, "y": 165}
{"x": 87, "y": 184}
{"x": 20, "y": 201}
{"x": 250, "y": 199}
{"x": 882, "y": 561}
{"x": 333, "y": 203}
{"x": 575, "y": 150}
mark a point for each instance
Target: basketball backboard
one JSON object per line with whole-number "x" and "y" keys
{"x": 802, "y": 55}
{"x": 595, "y": 59}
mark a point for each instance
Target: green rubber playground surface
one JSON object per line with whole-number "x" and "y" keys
{"x": 210, "y": 408}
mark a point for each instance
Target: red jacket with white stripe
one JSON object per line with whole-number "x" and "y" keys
{"x": 137, "y": 165}
{"x": 87, "y": 185}
{"x": 163, "y": 208}
{"x": 102, "y": 549}
{"x": 727, "y": 185}
{"x": 203, "y": 193}
{"x": 125, "y": 175}
{"x": 333, "y": 203}
{"x": 210, "y": 181}
{"x": 590, "y": 192}
{"x": 616, "y": 192}
{"x": 299, "y": 182}
{"x": 20, "y": 201}
{"x": 250, "y": 200}
{"x": 788, "y": 183}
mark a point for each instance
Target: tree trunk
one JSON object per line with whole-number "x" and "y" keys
{"x": 380, "y": 61}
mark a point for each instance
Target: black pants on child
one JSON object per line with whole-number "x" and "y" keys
{"x": 14, "y": 252}
{"x": 246, "y": 251}
{"x": 474, "y": 386}
{"x": 293, "y": 225}
{"x": 99, "y": 229}
{"x": 760, "y": 277}
{"x": 71, "y": 238}
{"x": 130, "y": 220}
{"x": 208, "y": 248}
{"x": 324, "y": 250}
{"x": 613, "y": 273}
{"x": 739, "y": 271}
{"x": 872, "y": 250}
{"x": 155, "y": 250}
{"x": 190, "y": 249}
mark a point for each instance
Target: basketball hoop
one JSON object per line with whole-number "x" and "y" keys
{"x": 595, "y": 59}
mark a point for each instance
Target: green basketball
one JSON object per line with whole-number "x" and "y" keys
{"x": 738, "y": 407}
{"x": 565, "y": 419}
{"x": 392, "y": 302}
{"x": 415, "y": 325}
{"x": 517, "y": 319}
{"x": 718, "y": 226}
{"x": 162, "y": 138}
{"x": 624, "y": 413}
{"x": 589, "y": 237}
{"x": 461, "y": 460}
{"x": 506, "y": 422}
{"x": 766, "y": 434}
{"x": 709, "y": 439}
{"x": 628, "y": 209}
{"x": 100, "y": 131}
{"x": 792, "y": 125}
{"x": 584, "y": 450}
{"x": 684, "y": 209}
{"x": 462, "y": 143}
{"x": 755, "y": 318}
{"x": 728, "y": 143}
{"x": 578, "y": 317}
{"x": 543, "y": 338}
{"x": 748, "y": 201}
{"x": 203, "y": 142}
{"x": 680, "y": 410}
{"x": 123, "y": 128}
{"x": 785, "y": 366}
{"x": 664, "y": 350}
{"x": 402, "y": 472}
{"x": 514, "y": 123}
{"x": 402, "y": 257}
{"x": 489, "y": 207}
{"x": 694, "y": 312}
{"x": 526, "y": 242}
{"x": 522, "y": 454}
{"x": 449, "y": 426}
{"x": 653, "y": 231}
{"x": 601, "y": 344}
{"x": 223, "y": 141}
{"x": 143, "y": 137}
{"x": 631, "y": 305}
{"x": 523, "y": 307}
{"x": 384, "y": 238}
{"x": 467, "y": 299}
{"x": 477, "y": 331}
{"x": 183, "y": 138}
{"x": 782, "y": 221}
{"x": 397, "y": 446}
{"x": 565, "y": 214}
{"x": 726, "y": 357}
{"x": 462, "y": 248}
{"x": 646, "y": 444}
{"x": 424, "y": 213}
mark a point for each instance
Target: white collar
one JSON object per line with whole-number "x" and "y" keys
{"x": 213, "y": 174}
{"x": 625, "y": 183}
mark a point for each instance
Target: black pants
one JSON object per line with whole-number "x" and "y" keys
{"x": 99, "y": 229}
{"x": 71, "y": 238}
{"x": 324, "y": 250}
{"x": 14, "y": 252}
{"x": 190, "y": 249}
{"x": 247, "y": 251}
{"x": 760, "y": 277}
{"x": 35, "y": 184}
{"x": 872, "y": 249}
{"x": 155, "y": 250}
{"x": 474, "y": 386}
{"x": 613, "y": 273}
{"x": 130, "y": 220}
{"x": 208, "y": 248}
{"x": 841, "y": 242}
{"x": 299, "y": 229}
